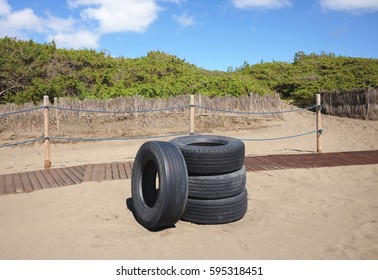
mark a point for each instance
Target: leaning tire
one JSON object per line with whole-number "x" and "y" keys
{"x": 156, "y": 207}
{"x": 216, "y": 211}
{"x": 217, "y": 186}
{"x": 211, "y": 155}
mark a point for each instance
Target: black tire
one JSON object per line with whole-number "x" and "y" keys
{"x": 211, "y": 155}
{"x": 217, "y": 186}
{"x": 159, "y": 208}
{"x": 216, "y": 211}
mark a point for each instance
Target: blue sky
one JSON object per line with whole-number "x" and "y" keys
{"x": 212, "y": 34}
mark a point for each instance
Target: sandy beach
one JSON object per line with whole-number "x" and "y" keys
{"x": 320, "y": 213}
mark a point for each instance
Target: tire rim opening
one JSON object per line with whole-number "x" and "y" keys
{"x": 206, "y": 144}
{"x": 150, "y": 184}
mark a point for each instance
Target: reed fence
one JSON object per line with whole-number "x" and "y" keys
{"x": 143, "y": 112}
{"x": 361, "y": 104}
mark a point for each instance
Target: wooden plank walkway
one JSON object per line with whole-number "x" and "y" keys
{"x": 279, "y": 162}
{"x": 60, "y": 177}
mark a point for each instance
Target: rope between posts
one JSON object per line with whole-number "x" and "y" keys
{"x": 283, "y": 137}
{"x": 117, "y": 112}
{"x": 21, "y": 111}
{"x": 21, "y": 142}
{"x": 256, "y": 113}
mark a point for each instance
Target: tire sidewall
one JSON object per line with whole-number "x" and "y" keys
{"x": 152, "y": 217}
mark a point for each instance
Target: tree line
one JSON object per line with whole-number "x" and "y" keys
{"x": 29, "y": 70}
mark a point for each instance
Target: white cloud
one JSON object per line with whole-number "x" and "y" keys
{"x": 266, "y": 4}
{"x": 118, "y": 15}
{"x": 350, "y": 5}
{"x": 76, "y": 40}
{"x": 59, "y": 24}
{"x": 97, "y": 18}
{"x": 184, "y": 20}
{"x": 15, "y": 23}
{"x": 5, "y": 8}
{"x": 25, "y": 19}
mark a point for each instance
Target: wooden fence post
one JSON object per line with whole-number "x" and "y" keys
{"x": 46, "y": 131}
{"x": 191, "y": 115}
{"x": 318, "y": 124}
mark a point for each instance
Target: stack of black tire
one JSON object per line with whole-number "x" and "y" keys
{"x": 217, "y": 178}
{"x": 200, "y": 179}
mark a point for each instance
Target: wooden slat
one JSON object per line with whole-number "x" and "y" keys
{"x": 354, "y": 158}
{"x": 298, "y": 161}
{"x": 70, "y": 174}
{"x": 282, "y": 162}
{"x": 2, "y": 185}
{"x": 122, "y": 171}
{"x": 255, "y": 165}
{"x": 76, "y": 174}
{"x": 9, "y": 186}
{"x": 19, "y": 187}
{"x": 335, "y": 160}
{"x": 26, "y": 182}
{"x": 41, "y": 179}
{"x": 270, "y": 164}
{"x": 67, "y": 180}
{"x": 108, "y": 171}
{"x": 115, "y": 171}
{"x": 80, "y": 169}
{"x": 50, "y": 179}
{"x": 54, "y": 173}
{"x": 127, "y": 169}
{"x": 33, "y": 180}
{"x": 371, "y": 154}
{"x": 251, "y": 165}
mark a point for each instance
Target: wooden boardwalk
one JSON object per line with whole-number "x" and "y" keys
{"x": 295, "y": 161}
{"x": 59, "y": 177}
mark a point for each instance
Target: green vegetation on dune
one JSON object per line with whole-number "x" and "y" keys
{"x": 29, "y": 70}
{"x": 310, "y": 74}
